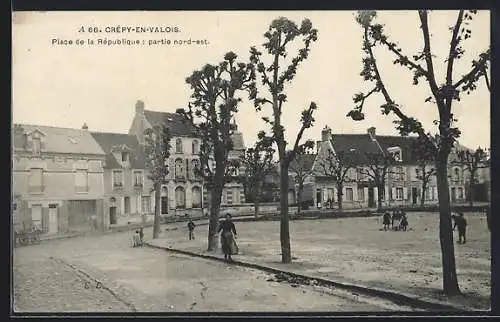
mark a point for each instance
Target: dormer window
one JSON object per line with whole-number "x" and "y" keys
{"x": 37, "y": 146}
{"x": 125, "y": 156}
{"x": 395, "y": 153}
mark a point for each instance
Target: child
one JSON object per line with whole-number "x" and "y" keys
{"x": 136, "y": 239}
{"x": 404, "y": 222}
{"x": 191, "y": 226}
{"x": 387, "y": 220}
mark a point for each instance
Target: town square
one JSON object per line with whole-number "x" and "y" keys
{"x": 276, "y": 166}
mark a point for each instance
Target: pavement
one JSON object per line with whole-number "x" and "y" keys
{"x": 356, "y": 251}
{"x": 105, "y": 274}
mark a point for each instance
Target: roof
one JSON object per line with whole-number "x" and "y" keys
{"x": 404, "y": 142}
{"x": 303, "y": 162}
{"x": 355, "y": 146}
{"x": 175, "y": 122}
{"x": 108, "y": 141}
{"x": 59, "y": 140}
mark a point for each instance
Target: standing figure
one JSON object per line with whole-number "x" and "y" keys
{"x": 393, "y": 217}
{"x": 227, "y": 238}
{"x": 404, "y": 222}
{"x": 387, "y": 220}
{"x": 191, "y": 226}
{"x": 461, "y": 224}
{"x": 136, "y": 239}
{"x": 141, "y": 235}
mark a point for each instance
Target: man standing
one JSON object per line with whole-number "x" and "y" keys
{"x": 461, "y": 224}
{"x": 191, "y": 226}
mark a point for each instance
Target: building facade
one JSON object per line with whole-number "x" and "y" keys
{"x": 128, "y": 193}
{"x": 58, "y": 179}
{"x": 403, "y": 186}
{"x": 185, "y": 192}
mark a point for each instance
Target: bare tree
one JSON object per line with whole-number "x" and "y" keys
{"x": 258, "y": 164}
{"x": 377, "y": 169}
{"x": 443, "y": 96}
{"x": 275, "y": 76}
{"x": 426, "y": 161}
{"x": 472, "y": 161}
{"x": 336, "y": 166}
{"x": 211, "y": 111}
{"x": 157, "y": 152}
{"x": 302, "y": 170}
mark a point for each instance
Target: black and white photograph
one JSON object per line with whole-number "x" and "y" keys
{"x": 330, "y": 161}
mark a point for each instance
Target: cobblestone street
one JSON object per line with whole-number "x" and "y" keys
{"x": 51, "y": 277}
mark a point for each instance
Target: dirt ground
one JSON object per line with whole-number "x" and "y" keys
{"x": 357, "y": 250}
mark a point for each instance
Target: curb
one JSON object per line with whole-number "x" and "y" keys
{"x": 398, "y": 298}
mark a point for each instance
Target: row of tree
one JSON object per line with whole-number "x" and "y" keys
{"x": 216, "y": 93}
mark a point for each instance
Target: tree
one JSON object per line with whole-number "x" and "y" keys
{"x": 377, "y": 169}
{"x": 302, "y": 170}
{"x": 472, "y": 161}
{"x": 426, "y": 165}
{"x": 336, "y": 166}
{"x": 275, "y": 76}
{"x": 258, "y": 164}
{"x": 157, "y": 152}
{"x": 211, "y": 111}
{"x": 443, "y": 96}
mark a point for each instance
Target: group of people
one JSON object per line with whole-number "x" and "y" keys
{"x": 397, "y": 221}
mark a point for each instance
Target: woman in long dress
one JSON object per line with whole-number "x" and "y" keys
{"x": 227, "y": 238}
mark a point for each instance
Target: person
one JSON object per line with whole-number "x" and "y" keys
{"x": 387, "y": 220}
{"x": 393, "y": 217}
{"x": 191, "y": 226}
{"x": 136, "y": 239}
{"x": 141, "y": 234}
{"x": 229, "y": 246}
{"x": 461, "y": 224}
{"x": 404, "y": 222}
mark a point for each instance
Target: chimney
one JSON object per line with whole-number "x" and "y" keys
{"x": 85, "y": 127}
{"x": 326, "y": 134}
{"x": 372, "y": 133}
{"x": 139, "y": 107}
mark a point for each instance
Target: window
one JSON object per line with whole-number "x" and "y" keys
{"x": 396, "y": 155}
{"x": 37, "y": 146}
{"x": 381, "y": 192}
{"x": 361, "y": 174}
{"x": 178, "y": 146}
{"x": 35, "y": 181}
{"x": 81, "y": 180}
{"x": 146, "y": 204}
{"x": 399, "y": 193}
{"x": 417, "y": 173}
{"x": 195, "y": 147}
{"x": 348, "y": 194}
{"x": 456, "y": 174}
{"x": 195, "y": 164}
{"x": 180, "y": 197}
{"x": 138, "y": 178}
{"x": 196, "y": 196}
{"x": 117, "y": 179}
{"x": 125, "y": 156}
{"x": 398, "y": 174}
{"x": 460, "y": 193}
{"x": 428, "y": 193}
{"x": 179, "y": 169}
{"x": 361, "y": 194}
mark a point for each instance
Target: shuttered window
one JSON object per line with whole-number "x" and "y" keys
{"x": 349, "y": 194}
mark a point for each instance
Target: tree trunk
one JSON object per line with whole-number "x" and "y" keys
{"x": 450, "y": 282}
{"x": 379, "y": 197}
{"x": 424, "y": 187}
{"x": 256, "y": 207}
{"x": 299, "y": 199}
{"x": 156, "y": 221}
{"x": 470, "y": 194}
{"x": 340, "y": 187}
{"x": 213, "y": 222}
{"x": 286, "y": 252}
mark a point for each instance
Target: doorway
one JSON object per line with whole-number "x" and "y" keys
{"x": 53, "y": 227}
{"x": 371, "y": 198}
{"x": 453, "y": 195}
{"x": 414, "y": 195}
{"x": 112, "y": 215}
{"x": 126, "y": 205}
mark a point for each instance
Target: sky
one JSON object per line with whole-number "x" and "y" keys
{"x": 67, "y": 85}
